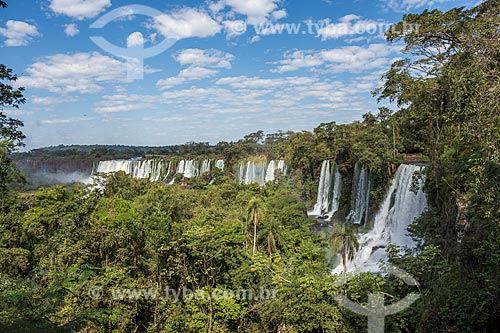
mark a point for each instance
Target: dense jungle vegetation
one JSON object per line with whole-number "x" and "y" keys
{"x": 60, "y": 243}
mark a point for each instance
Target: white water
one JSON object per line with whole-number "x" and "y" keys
{"x": 205, "y": 167}
{"x": 360, "y": 195}
{"x": 156, "y": 170}
{"x": 219, "y": 164}
{"x": 391, "y": 223}
{"x": 258, "y": 172}
{"x": 270, "y": 172}
{"x": 190, "y": 169}
{"x": 329, "y": 189}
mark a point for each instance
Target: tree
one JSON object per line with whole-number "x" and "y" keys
{"x": 448, "y": 90}
{"x": 344, "y": 240}
{"x": 256, "y": 137}
{"x": 253, "y": 210}
{"x": 11, "y": 138}
{"x": 9, "y": 96}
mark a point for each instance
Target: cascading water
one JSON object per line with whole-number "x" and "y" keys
{"x": 190, "y": 169}
{"x": 113, "y": 166}
{"x": 205, "y": 167}
{"x": 337, "y": 189}
{"x": 257, "y": 172}
{"x": 219, "y": 164}
{"x": 360, "y": 196}
{"x": 180, "y": 167}
{"x": 402, "y": 204}
{"x": 270, "y": 172}
{"x": 155, "y": 170}
{"x": 283, "y": 167}
{"x": 329, "y": 189}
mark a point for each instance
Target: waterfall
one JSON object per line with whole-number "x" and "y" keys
{"x": 241, "y": 173}
{"x": 337, "y": 188}
{"x": 283, "y": 167}
{"x": 169, "y": 170}
{"x": 329, "y": 189}
{"x": 190, "y": 169}
{"x": 219, "y": 164}
{"x": 180, "y": 167}
{"x": 401, "y": 205}
{"x": 155, "y": 170}
{"x": 205, "y": 167}
{"x": 248, "y": 172}
{"x": 270, "y": 171}
{"x": 360, "y": 196}
{"x": 112, "y": 166}
{"x": 255, "y": 173}
{"x": 258, "y": 172}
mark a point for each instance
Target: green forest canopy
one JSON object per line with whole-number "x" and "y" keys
{"x": 59, "y": 243}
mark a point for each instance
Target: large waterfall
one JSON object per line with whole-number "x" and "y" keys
{"x": 260, "y": 172}
{"x": 153, "y": 169}
{"x": 360, "y": 196}
{"x": 329, "y": 189}
{"x": 402, "y": 204}
{"x": 157, "y": 170}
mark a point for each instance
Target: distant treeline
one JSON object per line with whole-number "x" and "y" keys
{"x": 111, "y": 151}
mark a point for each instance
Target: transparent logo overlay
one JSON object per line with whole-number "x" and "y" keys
{"x": 133, "y": 54}
{"x": 376, "y": 310}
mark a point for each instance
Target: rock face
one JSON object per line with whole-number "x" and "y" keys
{"x": 51, "y": 172}
{"x": 412, "y": 158}
{"x": 57, "y": 166}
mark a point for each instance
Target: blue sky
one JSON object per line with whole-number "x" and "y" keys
{"x": 232, "y": 66}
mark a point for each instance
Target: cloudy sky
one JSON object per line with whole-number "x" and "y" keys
{"x": 212, "y": 70}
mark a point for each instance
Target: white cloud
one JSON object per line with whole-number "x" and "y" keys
{"x": 279, "y": 14}
{"x": 299, "y": 59}
{"x": 68, "y": 73}
{"x": 244, "y": 82}
{"x": 79, "y": 9}
{"x": 197, "y": 73}
{"x": 122, "y": 102}
{"x": 406, "y": 5}
{"x": 254, "y": 39}
{"x": 135, "y": 39}
{"x": 64, "y": 121}
{"x": 345, "y": 59}
{"x": 210, "y": 57}
{"x": 186, "y": 23}
{"x": 16, "y": 112}
{"x": 350, "y": 17}
{"x": 189, "y": 74}
{"x": 350, "y": 25}
{"x": 256, "y": 11}
{"x": 49, "y": 100}
{"x": 71, "y": 30}
{"x": 357, "y": 58}
{"x": 241, "y": 103}
{"x": 152, "y": 37}
{"x": 202, "y": 64}
{"x": 120, "y": 107}
{"x": 18, "y": 33}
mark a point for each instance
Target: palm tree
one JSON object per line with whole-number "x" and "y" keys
{"x": 344, "y": 240}
{"x": 253, "y": 210}
{"x": 271, "y": 244}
